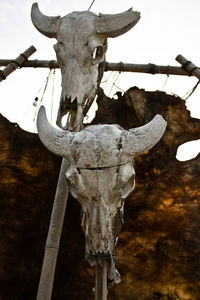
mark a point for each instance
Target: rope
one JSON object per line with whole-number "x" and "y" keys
{"x": 114, "y": 82}
{"x": 165, "y": 82}
{"x": 188, "y": 94}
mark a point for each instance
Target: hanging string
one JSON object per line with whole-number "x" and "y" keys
{"x": 52, "y": 94}
{"x": 106, "y": 79}
{"x": 26, "y": 112}
{"x": 165, "y": 82}
{"x": 188, "y": 94}
{"x": 114, "y": 82}
{"x": 34, "y": 103}
{"x": 45, "y": 87}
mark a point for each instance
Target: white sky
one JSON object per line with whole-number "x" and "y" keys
{"x": 166, "y": 29}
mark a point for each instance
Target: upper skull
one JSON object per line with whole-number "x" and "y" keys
{"x": 80, "y": 48}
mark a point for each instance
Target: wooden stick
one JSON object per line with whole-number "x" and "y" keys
{"x": 101, "y": 290}
{"x": 145, "y": 68}
{"x": 16, "y": 63}
{"x": 188, "y": 66}
{"x": 54, "y": 234}
{"x": 119, "y": 67}
{"x": 52, "y": 64}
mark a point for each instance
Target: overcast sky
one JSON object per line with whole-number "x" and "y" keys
{"x": 166, "y": 29}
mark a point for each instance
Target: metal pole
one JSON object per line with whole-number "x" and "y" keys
{"x": 101, "y": 289}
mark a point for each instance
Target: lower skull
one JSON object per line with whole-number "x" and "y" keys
{"x": 101, "y": 193}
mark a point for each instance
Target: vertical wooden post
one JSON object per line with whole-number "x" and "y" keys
{"x": 54, "y": 234}
{"x": 101, "y": 290}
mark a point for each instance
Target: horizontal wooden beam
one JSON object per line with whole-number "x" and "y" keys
{"x": 16, "y": 63}
{"x": 119, "y": 67}
{"x": 188, "y": 66}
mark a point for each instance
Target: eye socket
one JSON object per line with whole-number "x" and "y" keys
{"x": 98, "y": 55}
{"x": 94, "y": 54}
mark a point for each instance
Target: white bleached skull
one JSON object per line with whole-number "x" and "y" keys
{"x": 100, "y": 174}
{"x": 80, "y": 49}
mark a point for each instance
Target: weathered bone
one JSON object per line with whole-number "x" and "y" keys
{"x": 101, "y": 175}
{"x": 46, "y": 25}
{"x": 93, "y": 146}
{"x": 118, "y": 24}
{"x": 80, "y": 49}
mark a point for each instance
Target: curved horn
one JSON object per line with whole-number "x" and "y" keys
{"x": 141, "y": 139}
{"x": 56, "y": 140}
{"x": 44, "y": 24}
{"x": 115, "y": 25}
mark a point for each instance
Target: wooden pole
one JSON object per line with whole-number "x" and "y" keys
{"x": 53, "y": 238}
{"x": 101, "y": 289}
{"x": 145, "y": 68}
{"x": 16, "y": 63}
{"x": 119, "y": 67}
{"x": 54, "y": 234}
{"x": 188, "y": 66}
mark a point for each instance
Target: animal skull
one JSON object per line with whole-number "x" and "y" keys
{"x": 80, "y": 49}
{"x": 101, "y": 174}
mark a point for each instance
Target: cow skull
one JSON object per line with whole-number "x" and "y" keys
{"x": 101, "y": 175}
{"x": 80, "y": 49}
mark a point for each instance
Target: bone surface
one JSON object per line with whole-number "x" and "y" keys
{"x": 80, "y": 49}
{"x": 101, "y": 175}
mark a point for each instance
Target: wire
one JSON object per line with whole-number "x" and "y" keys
{"x": 91, "y": 4}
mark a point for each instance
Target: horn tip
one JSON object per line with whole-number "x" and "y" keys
{"x": 34, "y": 5}
{"x": 41, "y": 112}
{"x": 160, "y": 119}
